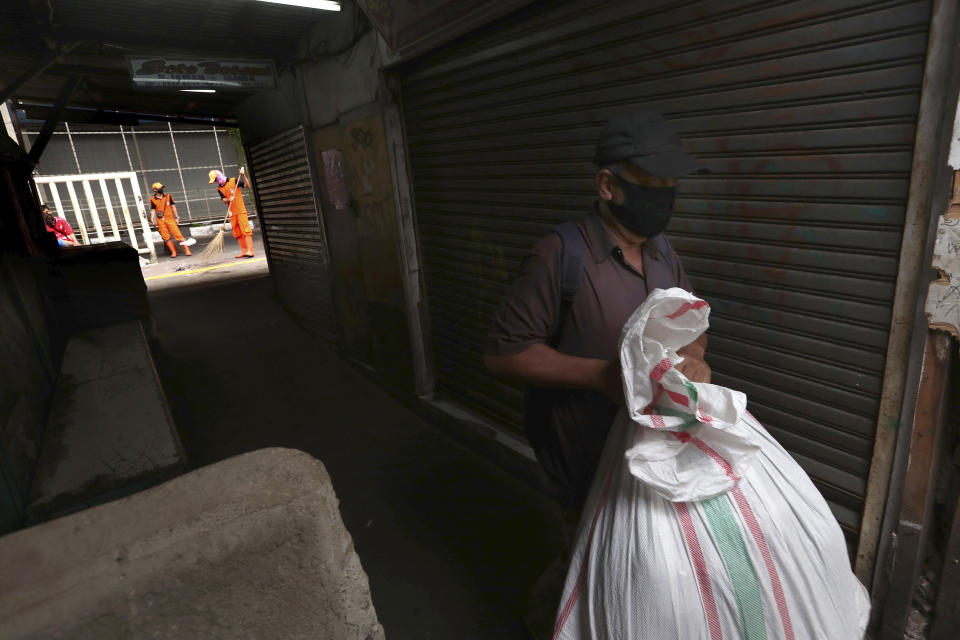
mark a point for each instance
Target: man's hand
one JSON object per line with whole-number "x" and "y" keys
{"x": 694, "y": 366}
{"x": 611, "y": 382}
{"x": 696, "y": 369}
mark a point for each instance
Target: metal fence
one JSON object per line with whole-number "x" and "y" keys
{"x": 113, "y": 196}
{"x": 179, "y": 157}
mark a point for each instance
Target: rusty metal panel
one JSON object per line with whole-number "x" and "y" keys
{"x": 292, "y": 229}
{"x": 804, "y": 111}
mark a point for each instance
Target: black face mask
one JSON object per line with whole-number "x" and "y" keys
{"x": 646, "y": 210}
{"x": 158, "y": 192}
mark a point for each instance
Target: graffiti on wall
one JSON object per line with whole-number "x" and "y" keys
{"x": 360, "y": 220}
{"x": 334, "y": 178}
{"x": 370, "y": 180}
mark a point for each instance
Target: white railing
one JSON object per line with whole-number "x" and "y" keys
{"x": 80, "y": 214}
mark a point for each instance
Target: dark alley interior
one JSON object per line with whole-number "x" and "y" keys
{"x": 244, "y": 241}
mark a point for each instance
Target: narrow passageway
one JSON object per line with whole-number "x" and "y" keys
{"x": 451, "y": 543}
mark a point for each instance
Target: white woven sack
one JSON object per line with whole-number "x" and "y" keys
{"x": 699, "y": 525}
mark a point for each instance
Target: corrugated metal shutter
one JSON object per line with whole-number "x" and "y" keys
{"x": 805, "y": 112}
{"x": 293, "y": 232}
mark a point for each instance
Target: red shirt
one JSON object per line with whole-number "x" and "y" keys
{"x": 61, "y": 229}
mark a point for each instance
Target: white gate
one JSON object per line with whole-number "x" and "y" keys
{"x": 120, "y": 187}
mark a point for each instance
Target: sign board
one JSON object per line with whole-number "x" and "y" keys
{"x": 201, "y": 73}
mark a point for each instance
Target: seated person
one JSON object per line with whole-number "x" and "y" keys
{"x": 59, "y": 227}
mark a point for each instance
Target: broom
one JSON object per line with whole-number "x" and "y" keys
{"x": 215, "y": 248}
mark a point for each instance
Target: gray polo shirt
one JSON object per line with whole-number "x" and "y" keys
{"x": 611, "y": 290}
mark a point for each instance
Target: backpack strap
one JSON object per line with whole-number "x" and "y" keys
{"x": 571, "y": 273}
{"x": 538, "y": 402}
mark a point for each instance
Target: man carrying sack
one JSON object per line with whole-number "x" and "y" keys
{"x": 558, "y": 330}
{"x": 163, "y": 216}
{"x": 229, "y": 190}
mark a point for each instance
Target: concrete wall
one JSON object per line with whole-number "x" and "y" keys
{"x": 334, "y": 91}
{"x": 31, "y": 344}
{"x": 337, "y": 72}
{"x": 364, "y": 247}
{"x": 27, "y": 378}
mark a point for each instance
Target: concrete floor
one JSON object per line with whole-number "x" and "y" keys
{"x": 451, "y": 543}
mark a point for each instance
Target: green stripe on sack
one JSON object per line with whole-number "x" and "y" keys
{"x": 691, "y": 391}
{"x": 691, "y": 420}
{"x": 733, "y": 549}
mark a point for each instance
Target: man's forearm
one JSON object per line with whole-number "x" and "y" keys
{"x": 542, "y": 366}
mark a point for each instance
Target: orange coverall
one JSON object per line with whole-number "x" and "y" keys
{"x": 166, "y": 222}
{"x": 238, "y": 215}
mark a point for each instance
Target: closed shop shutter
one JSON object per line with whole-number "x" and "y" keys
{"x": 805, "y": 113}
{"x": 292, "y": 230}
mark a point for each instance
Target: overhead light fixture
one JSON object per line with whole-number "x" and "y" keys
{"x": 198, "y": 90}
{"x": 326, "y": 5}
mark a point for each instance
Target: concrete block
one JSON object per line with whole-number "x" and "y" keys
{"x": 104, "y": 285}
{"x": 110, "y": 425}
{"x": 251, "y": 547}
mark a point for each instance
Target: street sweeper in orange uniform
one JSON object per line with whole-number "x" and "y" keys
{"x": 230, "y": 192}
{"x": 163, "y": 216}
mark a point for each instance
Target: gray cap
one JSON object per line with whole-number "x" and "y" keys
{"x": 646, "y": 139}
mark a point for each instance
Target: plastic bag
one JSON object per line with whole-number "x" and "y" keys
{"x": 699, "y": 525}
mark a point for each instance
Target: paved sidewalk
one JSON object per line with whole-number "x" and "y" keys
{"x": 186, "y": 270}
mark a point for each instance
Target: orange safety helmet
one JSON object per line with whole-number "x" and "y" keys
{"x": 156, "y": 185}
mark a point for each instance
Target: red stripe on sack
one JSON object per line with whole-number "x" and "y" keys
{"x": 704, "y": 417}
{"x": 679, "y": 398}
{"x": 658, "y": 422}
{"x": 656, "y": 399}
{"x": 688, "y": 306}
{"x": 572, "y": 600}
{"x": 761, "y": 541}
{"x": 660, "y": 369}
{"x": 716, "y": 457}
{"x": 700, "y": 569}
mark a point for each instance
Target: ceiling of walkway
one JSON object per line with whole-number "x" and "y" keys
{"x": 94, "y": 37}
